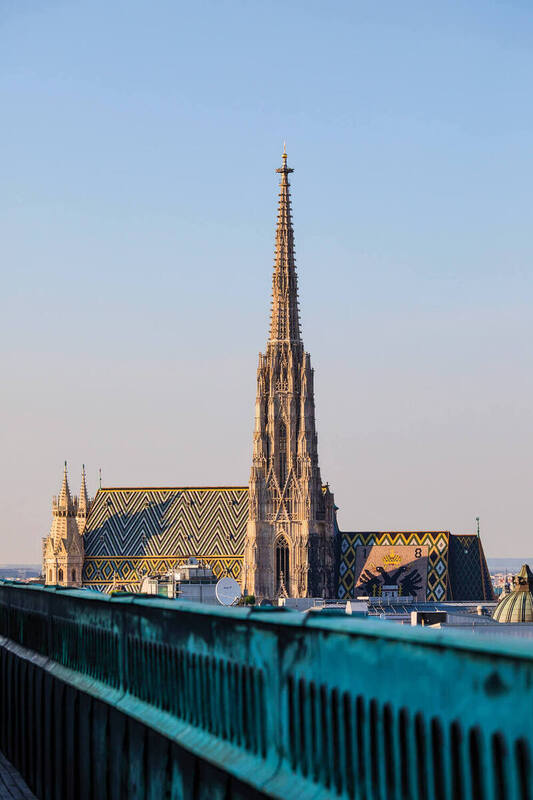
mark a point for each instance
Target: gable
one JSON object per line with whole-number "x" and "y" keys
{"x": 456, "y": 565}
{"x": 436, "y": 543}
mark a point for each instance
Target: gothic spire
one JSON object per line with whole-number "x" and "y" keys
{"x": 64, "y": 494}
{"x": 284, "y": 321}
{"x": 289, "y": 546}
{"x": 83, "y": 502}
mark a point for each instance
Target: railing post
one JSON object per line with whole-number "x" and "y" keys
{"x": 447, "y": 761}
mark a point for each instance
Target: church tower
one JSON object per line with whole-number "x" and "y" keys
{"x": 289, "y": 537}
{"x": 63, "y": 549}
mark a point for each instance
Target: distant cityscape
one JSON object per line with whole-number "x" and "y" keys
{"x": 502, "y": 572}
{"x": 19, "y": 572}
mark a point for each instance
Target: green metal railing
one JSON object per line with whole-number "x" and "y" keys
{"x": 121, "y": 696}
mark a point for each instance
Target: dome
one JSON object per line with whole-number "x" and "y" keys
{"x": 518, "y": 605}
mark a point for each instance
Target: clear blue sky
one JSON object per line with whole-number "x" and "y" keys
{"x": 138, "y": 144}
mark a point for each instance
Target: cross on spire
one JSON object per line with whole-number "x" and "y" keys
{"x": 285, "y": 317}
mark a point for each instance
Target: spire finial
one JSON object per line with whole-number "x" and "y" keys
{"x": 284, "y": 169}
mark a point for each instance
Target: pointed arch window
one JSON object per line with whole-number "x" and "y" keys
{"x": 282, "y": 437}
{"x": 60, "y": 575}
{"x": 282, "y": 564}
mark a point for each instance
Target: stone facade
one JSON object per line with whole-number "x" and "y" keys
{"x": 63, "y": 551}
{"x": 289, "y": 537}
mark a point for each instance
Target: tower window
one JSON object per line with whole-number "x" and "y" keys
{"x": 282, "y": 564}
{"x": 73, "y": 574}
{"x": 60, "y": 575}
{"x": 50, "y": 576}
{"x": 282, "y": 438}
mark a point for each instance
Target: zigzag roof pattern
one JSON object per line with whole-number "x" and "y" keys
{"x": 167, "y": 521}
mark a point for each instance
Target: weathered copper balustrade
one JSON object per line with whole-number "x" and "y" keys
{"x": 124, "y": 697}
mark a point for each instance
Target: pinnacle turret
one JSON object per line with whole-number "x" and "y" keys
{"x": 64, "y": 499}
{"x": 285, "y": 318}
{"x": 63, "y": 547}
{"x": 83, "y": 502}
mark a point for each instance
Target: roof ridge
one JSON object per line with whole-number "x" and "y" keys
{"x": 382, "y": 533}
{"x": 169, "y": 488}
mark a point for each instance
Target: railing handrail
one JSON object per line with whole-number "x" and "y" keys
{"x": 270, "y": 615}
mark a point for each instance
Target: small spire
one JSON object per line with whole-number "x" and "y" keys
{"x": 83, "y": 500}
{"x": 64, "y": 494}
{"x": 100, "y": 477}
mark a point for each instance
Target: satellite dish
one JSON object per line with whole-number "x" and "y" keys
{"x": 227, "y": 591}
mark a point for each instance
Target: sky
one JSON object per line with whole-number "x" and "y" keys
{"x": 139, "y": 142}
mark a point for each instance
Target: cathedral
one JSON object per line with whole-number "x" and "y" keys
{"x": 278, "y": 536}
